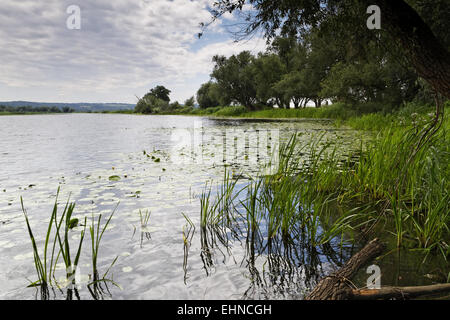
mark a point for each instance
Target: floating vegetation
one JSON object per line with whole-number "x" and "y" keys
{"x": 114, "y": 178}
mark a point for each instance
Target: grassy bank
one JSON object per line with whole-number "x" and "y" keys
{"x": 367, "y": 116}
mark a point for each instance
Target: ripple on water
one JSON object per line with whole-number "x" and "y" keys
{"x": 82, "y": 169}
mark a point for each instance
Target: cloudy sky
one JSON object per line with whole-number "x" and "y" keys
{"x": 123, "y": 48}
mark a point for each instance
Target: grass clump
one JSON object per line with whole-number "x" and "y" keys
{"x": 57, "y": 246}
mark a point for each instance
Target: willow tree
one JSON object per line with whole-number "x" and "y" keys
{"x": 402, "y": 31}
{"x": 400, "y": 24}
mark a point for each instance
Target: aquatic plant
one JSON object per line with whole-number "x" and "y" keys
{"x": 46, "y": 269}
{"x": 57, "y": 245}
{"x": 96, "y": 236}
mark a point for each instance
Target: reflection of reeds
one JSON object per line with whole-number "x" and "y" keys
{"x": 144, "y": 218}
{"x": 144, "y": 225}
{"x": 285, "y": 202}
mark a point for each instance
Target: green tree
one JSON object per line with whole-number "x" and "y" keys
{"x": 161, "y": 92}
{"x": 320, "y": 58}
{"x": 268, "y": 70}
{"x": 373, "y": 75}
{"x": 401, "y": 24}
{"x": 190, "y": 102}
{"x": 210, "y": 95}
{"x": 204, "y": 98}
{"x": 151, "y": 104}
{"x": 235, "y": 76}
{"x": 293, "y": 85}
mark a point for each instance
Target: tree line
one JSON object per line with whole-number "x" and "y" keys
{"x": 30, "y": 109}
{"x": 317, "y": 69}
{"x": 413, "y": 31}
{"x": 321, "y": 51}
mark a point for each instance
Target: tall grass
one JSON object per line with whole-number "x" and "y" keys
{"x": 281, "y": 205}
{"x": 96, "y": 237}
{"x": 46, "y": 269}
{"x": 57, "y": 245}
{"x": 390, "y": 188}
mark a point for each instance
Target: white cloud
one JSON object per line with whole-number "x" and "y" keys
{"x": 123, "y": 48}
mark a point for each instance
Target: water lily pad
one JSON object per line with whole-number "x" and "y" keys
{"x": 114, "y": 178}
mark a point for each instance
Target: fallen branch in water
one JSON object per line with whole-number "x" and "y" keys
{"x": 399, "y": 292}
{"x": 337, "y": 286}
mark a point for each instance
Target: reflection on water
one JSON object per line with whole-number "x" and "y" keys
{"x": 141, "y": 162}
{"x": 280, "y": 267}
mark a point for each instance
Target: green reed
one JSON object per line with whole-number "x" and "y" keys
{"x": 386, "y": 182}
{"x": 96, "y": 234}
{"x": 57, "y": 246}
{"x": 61, "y": 247}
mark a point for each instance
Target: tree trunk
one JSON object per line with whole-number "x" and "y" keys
{"x": 318, "y": 103}
{"x": 424, "y": 51}
{"x": 335, "y": 286}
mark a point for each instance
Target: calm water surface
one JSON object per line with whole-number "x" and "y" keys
{"x": 80, "y": 152}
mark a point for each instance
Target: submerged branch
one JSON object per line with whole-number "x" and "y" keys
{"x": 399, "y": 292}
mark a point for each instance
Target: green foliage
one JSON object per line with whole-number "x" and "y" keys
{"x": 268, "y": 70}
{"x": 30, "y": 110}
{"x": 336, "y": 111}
{"x": 374, "y": 77}
{"x": 161, "y": 93}
{"x": 235, "y": 77}
{"x": 316, "y": 69}
{"x": 59, "y": 229}
{"x": 190, "y": 102}
{"x": 210, "y": 95}
{"x": 155, "y": 101}
{"x": 230, "y": 111}
{"x": 151, "y": 104}
{"x": 321, "y": 50}
{"x": 380, "y": 188}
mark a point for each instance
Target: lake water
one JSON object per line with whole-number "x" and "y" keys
{"x": 160, "y": 165}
